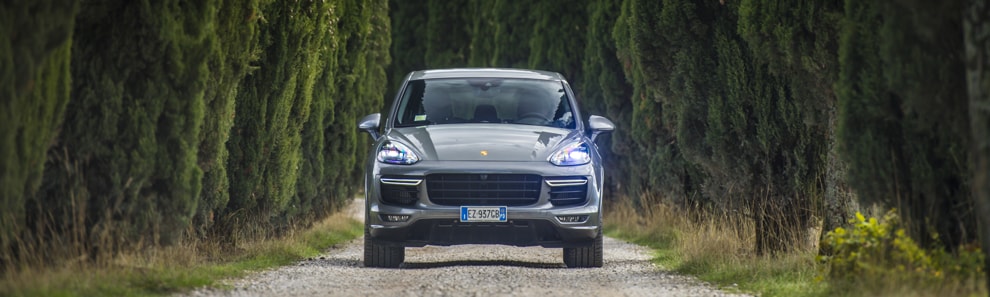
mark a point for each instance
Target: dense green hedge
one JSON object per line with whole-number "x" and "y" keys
{"x": 605, "y": 91}
{"x": 216, "y": 119}
{"x": 139, "y": 123}
{"x": 779, "y": 111}
{"x": 230, "y": 62}
{"x": 903, "y": 121}
{"x": 125, "y": 163}
{"x": 272, "y": 106}
{"x": 35, "y": 53}
{"x": 799, "y": 40}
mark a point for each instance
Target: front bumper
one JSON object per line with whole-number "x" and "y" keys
{"x": 530, "y": 225}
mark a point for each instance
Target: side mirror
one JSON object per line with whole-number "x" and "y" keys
{"x": 599, "y": 125}
{"x": 370, "y": 124}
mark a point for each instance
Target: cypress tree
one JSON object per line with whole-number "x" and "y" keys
{"x": 35, "y": 50}
{"x": 900, "y": 93}
{"x": 512, "y": 33}
{"x": 667, "y": 173}
{"x": 604, "y": 91}
{"x": 975, "y": 24}
{"x": 558, "y": 37}
{"x": 312, "y": 192}
{"x": 408, "y": 46}
{"x": 127, "y": 153}
{"x": 712, "y": 117}
{"x": 482, "y": 32}
{"x": 447, "y": 28}
{"x": 349, "y": 88}
{"x": 364, "y": 58}
{"x": 799, "y": 40}
{"x": 748, "y": 105}
{"x": 236, "y": 31}
{"x": 272, "y": 107}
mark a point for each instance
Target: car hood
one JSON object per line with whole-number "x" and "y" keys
{"x": 484, "y": 142}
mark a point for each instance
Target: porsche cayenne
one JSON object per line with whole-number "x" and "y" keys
{"x": 484, "y": 156}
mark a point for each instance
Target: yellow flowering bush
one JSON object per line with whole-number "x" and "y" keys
{"x": 881, "y": 248}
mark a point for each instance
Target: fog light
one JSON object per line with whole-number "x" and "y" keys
{"x": 572, "y": 219}
{"x": 394, "y": 218}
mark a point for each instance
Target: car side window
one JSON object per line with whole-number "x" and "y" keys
{"x": 411, "y": 105}
{"x": 563, "y": 117}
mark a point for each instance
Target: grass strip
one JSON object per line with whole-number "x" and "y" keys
{"x": 784, "y": 276}
{"x": 161, "y": 271}
{"x": 715, "y": 250}
{"x": 720, "y": 251}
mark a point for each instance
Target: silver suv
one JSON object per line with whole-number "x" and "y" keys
{"x": 484, "y": 156}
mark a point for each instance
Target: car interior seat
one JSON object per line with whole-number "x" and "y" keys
{"x": 486, "y": 114}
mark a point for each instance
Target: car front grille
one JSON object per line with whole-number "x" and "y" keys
{"x": 483, "y": 189}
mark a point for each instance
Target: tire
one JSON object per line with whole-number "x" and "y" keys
{"x": 377, "y": 254}
{"x": 585, "y": 256}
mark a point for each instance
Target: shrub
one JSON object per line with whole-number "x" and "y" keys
{"x": 881, "y": 249}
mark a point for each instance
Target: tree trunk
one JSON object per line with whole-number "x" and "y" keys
{"x": 976, "y": 24}
{"x": 838, "y": 201}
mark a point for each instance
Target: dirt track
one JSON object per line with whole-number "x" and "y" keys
{"x": 471, "y": 270}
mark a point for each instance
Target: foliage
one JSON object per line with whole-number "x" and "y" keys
{"x": 799, "y": 40}
{"x": 447, "y": 37}
{"x": 213, "y": 119}
{"x": 273, "y": 104}
{"x": 279, "y": 176}
{"x": 482, "y": 32}
{"x": 35, "y": 79}
{"x": 717, "y": 249}
{"x": 513, "y": 22}
{"x": 408, "y": 47}
{"x": 125, "y": 168}
{"x": 901, "y": 91}
{"x": 734, "y": 126}
{"x": 881, "y": 249}
{"x": 549, "y": 49}
{"x": 604, "y": 90}
{"x": 134, "y": 123}
{"x": 230, "y": 62}
{"x": 666, "y": 172}
{"x": 778, "y": 110}
{"x": 362, "y": 61}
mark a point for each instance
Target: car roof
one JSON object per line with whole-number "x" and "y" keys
{"x": 485, "y": 72}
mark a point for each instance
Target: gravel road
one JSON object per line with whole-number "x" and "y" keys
{"x": 470, "y": 270}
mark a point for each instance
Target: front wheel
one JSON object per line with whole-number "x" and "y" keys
{"x": 586, "y": 256}
{"x": 377, "y": 254}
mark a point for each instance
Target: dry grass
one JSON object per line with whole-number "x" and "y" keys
{"x": 718, "y": 239}
{"x": 164, "y": 270}
{"x": 719, "y": 249}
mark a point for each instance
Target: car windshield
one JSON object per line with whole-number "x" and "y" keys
{"x": 484, "y": 100}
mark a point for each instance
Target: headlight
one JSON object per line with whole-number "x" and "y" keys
{"x": 573, "y": 154}
{"x": 396, "y": 153}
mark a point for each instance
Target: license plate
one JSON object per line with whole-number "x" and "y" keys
{"x": 483, "y": 214}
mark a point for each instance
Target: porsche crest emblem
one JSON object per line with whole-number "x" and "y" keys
{"x": 484, "y": 153}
